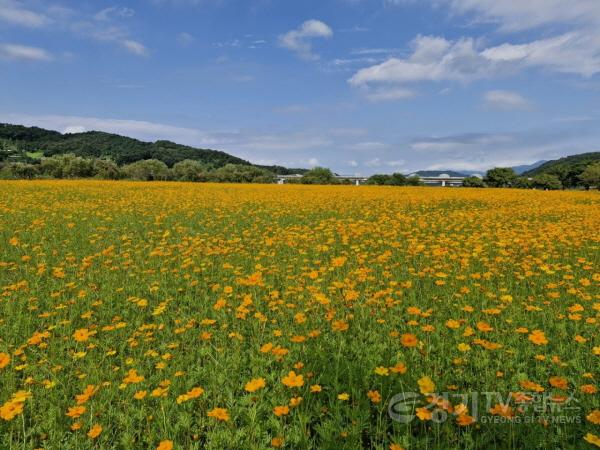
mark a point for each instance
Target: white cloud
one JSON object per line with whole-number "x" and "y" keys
{"x": 115, "y": 34}
{"x": 452, "y": 144}
{"x": 515, "y": 15}
{"x": 397, "y": 163}
{"x": 432, "y": 59}
{"x": 368, "y": 146}
{"x": 15, "y": 13}
{"x": 298, "y": 40}
{"x": 375, "y": 162}
{"x": 114, "y": 12}
{"x": 389, "y": 95}
{"x": 506, "y": 100}
{"x": 134, "y": 47}
{"x": 292, "y": 109}
{"x": 74, "y": 129}
{"x": 23, "y": 52}
{"x": 576, "y": 52}
{"x": 185, "y": 39}
{"x": 436, "y": 59}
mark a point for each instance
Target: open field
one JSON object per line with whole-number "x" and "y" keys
{"x": 245, "y": 316}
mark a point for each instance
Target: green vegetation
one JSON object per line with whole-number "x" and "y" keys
{"x": 396, "y": 179}
{"x": 473, "y": 182}
{"x": 500, "y": 177}
{"x": 591, "y": 176}
{"x": 31, "y": 152}
{"x": 568, "y": 169}
{"x": 24, "y": 144}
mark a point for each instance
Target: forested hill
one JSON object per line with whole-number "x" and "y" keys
{"x": 566, "y": 169}
{"x": 122, "y": 150}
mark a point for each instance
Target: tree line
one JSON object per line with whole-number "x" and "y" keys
{"x": 68, "y": 166}
{"x": 505, "y": 177}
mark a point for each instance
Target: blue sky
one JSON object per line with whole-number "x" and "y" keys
{"x": 361, "y": 86}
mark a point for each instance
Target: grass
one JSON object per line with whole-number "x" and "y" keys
{"x": 119, "y": 300}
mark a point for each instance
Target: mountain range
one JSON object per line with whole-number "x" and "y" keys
{"x": 36, "y": 142}
{"x": 20, "y": 143}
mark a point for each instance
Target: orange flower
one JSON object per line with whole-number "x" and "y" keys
{"x": 293, "y": 380}
{"x": 133, "y": 377}
{"x": 339, "y": 325}
{"x": 89, "y": 391}
{"x": 165, "y": 445}
{"x": 426, "y": 385}
{"x": 255, "y": 384}
{"x": 592, "y": 439}
{"x": 10, "y": 410}
{"x": 219, "y": 414}
{"x": 295, "y": 401}
{"x": 453, "y": 324}
{"x": 465, "y": 420}
{"x": 594, "y": 417}
{"x": 424, "y": 414}
{"x": 315, "y": 388}
{"x": 502, "y": 410}
{"x": 75, "y": 411}
{"x": 94, "y": 431}
{"x": 374, "y": 396}
{"x": 281, "y": 410}
{"x": 398, "y": 368}
{"x": 83, "y": 334}
{"x": 409, "y": 340}
{"x": 383, "y": 371}
{"x": 538, "y": 337}
{"x": 531, "y": 386}
{"x": 483, "y": 326}
{"x": 4, "y": 360}
{"x": 559, "y": 382}
{"x": 339, "y": 261}
{"x": 277, "y": 442}
{"x": 193, "y": 393}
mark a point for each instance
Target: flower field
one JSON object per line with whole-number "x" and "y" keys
{"x": 173, "y": 315}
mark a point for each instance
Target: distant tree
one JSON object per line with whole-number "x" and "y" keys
{"x": 591, "y": 176}
{"x": 190, "y": 170}
{"x": 379, "y": 179}
{"x": 414, "y": 181}
{"x": 474, "y": 182}
{"x": 500, "y": 177}
{"x": 241, "y": 173}
{"x": 547, "y": 181}
{"x": 67, "y": 166}
{"x": 51, "y": 167}
{"x": 319, "y": 175}
{"x": 18, "y": 170}
{"x": 147, "y": 170}
{"x": 106, "y": 169}
{"x": 567, "y": 169}
{"x": 523, "y": 183}
{"x": 396, "y": 179}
